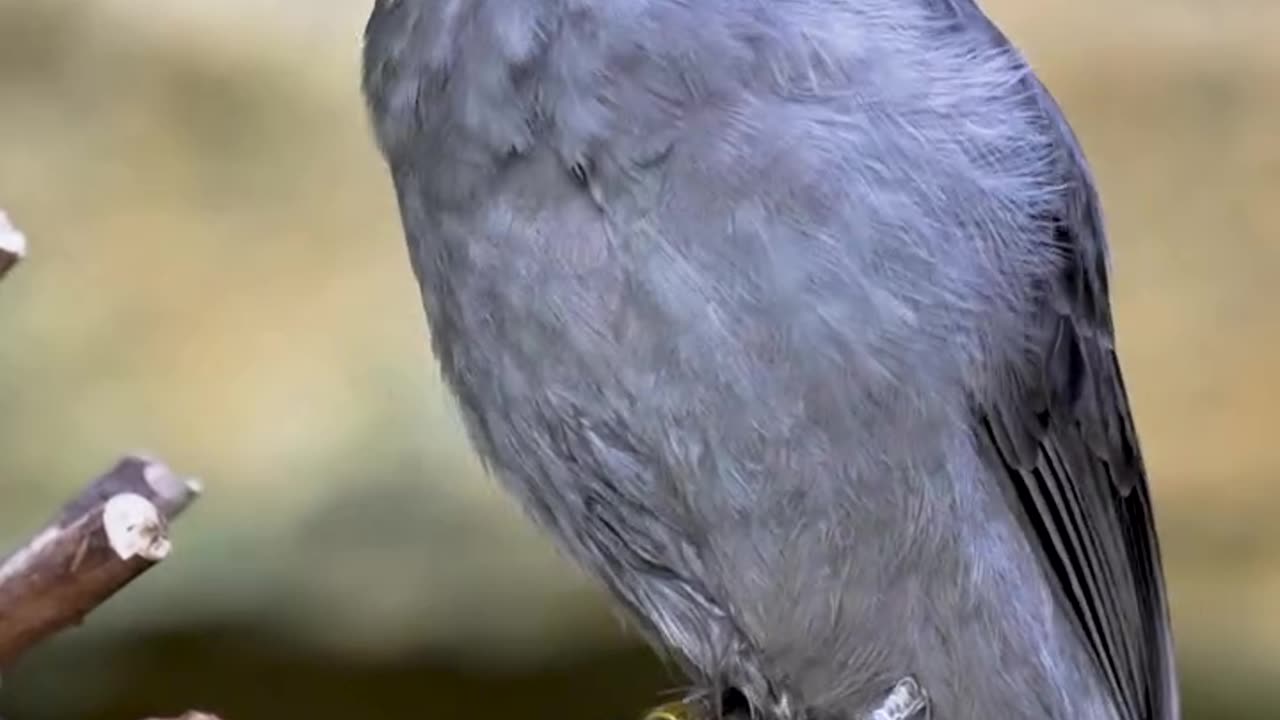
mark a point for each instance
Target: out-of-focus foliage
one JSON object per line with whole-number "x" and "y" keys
{"x": 217, "y": 275}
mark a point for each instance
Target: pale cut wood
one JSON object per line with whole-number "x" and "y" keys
{"x": 13, "y": 246}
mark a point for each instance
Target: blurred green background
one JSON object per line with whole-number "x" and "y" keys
{"x": 217, "y": 275}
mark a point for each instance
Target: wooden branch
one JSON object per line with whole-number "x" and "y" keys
{"x": 12, "y": 245}
{"x": 115, "y": 530}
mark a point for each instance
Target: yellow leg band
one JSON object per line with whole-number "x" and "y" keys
{"x": 671, "y": 711}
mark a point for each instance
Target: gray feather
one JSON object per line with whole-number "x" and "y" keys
{"x": 788, "y": 320}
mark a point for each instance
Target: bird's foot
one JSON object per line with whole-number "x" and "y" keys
{"x": 907, "y": 701}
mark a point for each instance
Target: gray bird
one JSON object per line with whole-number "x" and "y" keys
{"x": 789, "y": 320}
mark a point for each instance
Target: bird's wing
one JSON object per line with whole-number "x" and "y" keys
{"x": 1058, "y": 426}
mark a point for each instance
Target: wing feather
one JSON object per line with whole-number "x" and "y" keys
{"x": 1061, "y": 432}
{"x": 1063, "y": 437}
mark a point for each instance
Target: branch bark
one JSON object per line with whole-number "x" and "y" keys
{"x": 12, "y": 245}
{"x": 112, "y": 532}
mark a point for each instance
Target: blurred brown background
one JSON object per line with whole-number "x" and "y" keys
{"x": 217, "y": 275}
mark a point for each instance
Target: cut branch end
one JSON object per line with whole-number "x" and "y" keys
{"x": 13, "y": 245}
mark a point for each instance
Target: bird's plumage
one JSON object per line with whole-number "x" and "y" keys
{"x": 789, "y": 320}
